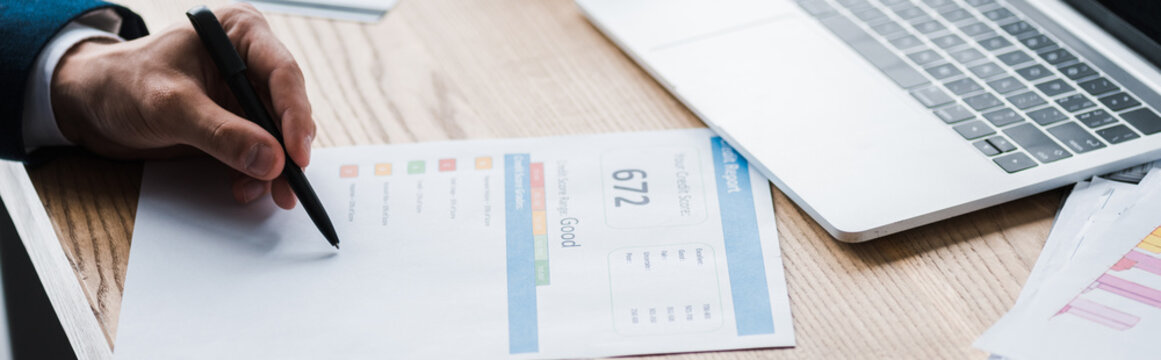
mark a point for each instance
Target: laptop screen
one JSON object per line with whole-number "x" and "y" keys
{"x": 1135, "y": 22}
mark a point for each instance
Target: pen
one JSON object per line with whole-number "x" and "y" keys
{"x": 234, "y": 70}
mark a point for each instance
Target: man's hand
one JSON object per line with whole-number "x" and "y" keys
{"x": 161, "y": 94}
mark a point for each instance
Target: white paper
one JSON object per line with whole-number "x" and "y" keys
{"x": 442, "y": 255}
{"x": 351, "y": 10}
{"x": 1090, "y": 208}
{"x": 1094, "y": 294}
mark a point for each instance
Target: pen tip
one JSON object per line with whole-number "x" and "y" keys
{"x": 331, "y": 236}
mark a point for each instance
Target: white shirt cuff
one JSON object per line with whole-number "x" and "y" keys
{"x": 39, "y": 123}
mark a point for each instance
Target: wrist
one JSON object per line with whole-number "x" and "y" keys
{"x": 76, "y": 84}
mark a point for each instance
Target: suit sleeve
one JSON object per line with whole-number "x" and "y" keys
{"x": 25, "y": 28}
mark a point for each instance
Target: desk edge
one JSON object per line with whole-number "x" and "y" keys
{"x": 52, "y": 265}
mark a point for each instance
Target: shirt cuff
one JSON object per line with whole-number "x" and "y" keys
{"x": 39, "y": 123}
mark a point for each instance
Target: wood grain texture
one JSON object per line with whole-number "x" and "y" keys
{"x": 52, "y": 265}
{"x": 458, "y": 69}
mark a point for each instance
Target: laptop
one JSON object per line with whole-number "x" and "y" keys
{"x": 877, "y": 116}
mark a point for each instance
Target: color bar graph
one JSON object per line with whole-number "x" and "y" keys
{"x": 416, "y": 167}
{"x": 1134, "y": 259}
{"x": 349, "y": 171}
{"x": 383, "y": 169}
{"x": 484, "y": 163}
{"x": 446, "y": 165}
{"x": 1128, "y": 289}
{"x": 1152, "y": 243}
{"x": 1101, "y": 314}
{"x": 539, "y": 222}
{"x": 1141, "y": 261}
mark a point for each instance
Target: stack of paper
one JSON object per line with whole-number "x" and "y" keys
{"x": 1095, "y": 291}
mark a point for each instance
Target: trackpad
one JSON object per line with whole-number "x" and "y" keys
{"x": 803, "y": 103}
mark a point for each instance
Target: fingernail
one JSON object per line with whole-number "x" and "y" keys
{"x": 306, "y": 141}
{"x": 259, "y": 160}
{"x": 252, "y": 190}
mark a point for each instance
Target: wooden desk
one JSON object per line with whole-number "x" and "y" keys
{"x": 458, "y": 69}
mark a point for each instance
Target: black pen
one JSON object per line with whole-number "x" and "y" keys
{"x": 234, "y": 70}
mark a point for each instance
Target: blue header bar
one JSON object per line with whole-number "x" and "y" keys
{"x": 747, "y": 268}
{"x": 522, "y": 322}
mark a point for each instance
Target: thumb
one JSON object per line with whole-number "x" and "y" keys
{"x": 237, "y": 142}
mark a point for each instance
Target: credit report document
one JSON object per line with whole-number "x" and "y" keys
{"x": 564, "y": 247}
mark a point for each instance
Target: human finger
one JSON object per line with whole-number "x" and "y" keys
{"x": 247, "y": 189}
{"x": 282, "y": 194}
{"x": 234, "y": 141}
{"x": 273, "y": 69}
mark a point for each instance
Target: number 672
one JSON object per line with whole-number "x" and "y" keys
{"x": 626, "y": 179}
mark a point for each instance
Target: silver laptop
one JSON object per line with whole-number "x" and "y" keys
{"x": 876, "y": 116}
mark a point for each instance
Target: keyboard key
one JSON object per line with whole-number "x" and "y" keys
{"x": 1096, "y": 118}
{"x": 982, "y": 101}
{"x": 1034, "y": 72}
{"x": 909, "y": 12}
{"x": 1117, "y": 134}
{"x": 869, "y": 15}
{"x": 973, "y": 130}
{"x": 947, "y": 41}
{"x": 931, "y": 96}
{"x": 1077, "y": 71}
{"x": 943, "y": 71}
{"x": 995, "y": 43}
{"x": 1015, "y": 57}
{"x": 962, "y": 86}
{"x": 1001, "y": 143}
{"x": 1017, "y": 28}
{"x": 1015, "y": 162}
{"x": 986, "y": 148}
{"x": 953, "y": 114}
{"x": 937, "y": 3}
{"x": 1098, "y": 86}
{"x": 1119, "y": 101}
{"x": 1006, "y": 85}
{"x": 893, "y": 2}
{"x": 1036, "y": 42}
{"x": 877, "y": 54}
{"x": 980, "y": 3}
{"x": 975, "y": 29}
{"x": 1075, "y": 103}
{"x": 997, "y": 14}
{"x": 1075, "y": 138}
{"x": 1026, "y": 100}
{"x": 986, "y": 70}
{"x": 1057, "y": 56}
{"x": 966, "y": 55}
{"x": 905, "y": 42}
{"x": 956, "y": 14}
{"x": 1054, "y": 87}
{"x": 888, "y": 28}
{"x": 927, "y": 27}
{"x": 1145, "y": 120}
{"x": 1037, "y": 144}
{"x": 817, "y": 8}
{"x": 1003, "y": 117}
{"x": 1047, "y": 115}
{"x": 924, "y": 57}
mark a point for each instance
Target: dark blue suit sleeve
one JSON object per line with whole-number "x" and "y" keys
{"x": 25, "y": 28}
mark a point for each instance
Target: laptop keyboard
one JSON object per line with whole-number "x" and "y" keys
{"x": 1014, "y": 93}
